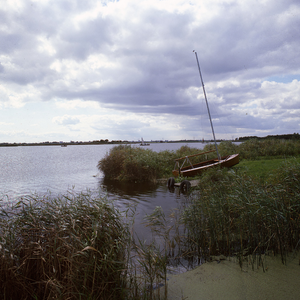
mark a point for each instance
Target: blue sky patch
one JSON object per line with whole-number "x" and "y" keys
{"x": 284, "y": 78}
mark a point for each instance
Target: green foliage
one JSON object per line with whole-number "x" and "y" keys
{"x": 72, "y": 247}
{"x": 112, "y": 164}
{"x": 153, "y": 269}
{"x": 253, "y": 149}
{"x": 227, "y": 147}
{"x": 136, "y": 164}
{"x": 234, "y": 214}
{"x": 262, "y": 169}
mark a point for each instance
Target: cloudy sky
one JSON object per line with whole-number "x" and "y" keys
{"x": 89, "y": 70}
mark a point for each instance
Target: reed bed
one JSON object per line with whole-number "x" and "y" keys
{"x": 255, "y": 148}
{"x": 69, "y": 247}
{"x": 134, "y": 164}
{"x": 235, "y": 215}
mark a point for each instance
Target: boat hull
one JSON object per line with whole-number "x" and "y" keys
{"x": 225, "y": 162}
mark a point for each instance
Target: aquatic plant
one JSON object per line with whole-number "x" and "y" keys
{"x": 69, "y": 247}
{"x": 136, "y": 164}
{"x": 151, "y": 269}
{"x": 236, "y": 215}
{"x": 255, "y": 148}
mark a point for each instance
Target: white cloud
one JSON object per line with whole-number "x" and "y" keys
{"x": 130, "y": 63}
{"x": 74, "y": 104}
{"x": 66, "y": 120}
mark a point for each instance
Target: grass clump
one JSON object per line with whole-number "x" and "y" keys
{"x": 70, "y": 247}
{"x": 136, "y": 164}
{"x": 237, "y": 215}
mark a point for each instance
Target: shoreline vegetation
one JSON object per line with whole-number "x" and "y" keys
{"x": 135, "y": 164}
{"x": 79, "y": 247}
{"x": 70, "y": 247}
{"x": 294, "y": 136}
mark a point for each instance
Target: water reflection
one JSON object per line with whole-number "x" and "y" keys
{"x": 128, "y": 189}
{"x": 143, "y": 198}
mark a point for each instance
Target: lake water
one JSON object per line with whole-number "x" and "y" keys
{"x": 26, "y": 170}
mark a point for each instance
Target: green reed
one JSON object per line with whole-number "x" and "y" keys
{"x": 235, "y": 215}
{"x": 75, "y": 246}
{"x": 151, "y": 269}
{"x": 136, "y": 164}
{"x": 254, "y": 148}
{"x": 69, "y": 247}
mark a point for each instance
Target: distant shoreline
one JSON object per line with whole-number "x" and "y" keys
{"x": 294, "y": 136}
{"x": 99, "y": 143}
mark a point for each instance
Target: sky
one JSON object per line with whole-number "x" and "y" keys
{"x": 73, "y": 70}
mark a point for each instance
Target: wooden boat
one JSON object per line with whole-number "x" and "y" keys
{"x": 196, "y": 169}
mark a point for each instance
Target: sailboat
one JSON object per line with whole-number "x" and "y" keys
{"x": 191, "y": 170}
{"x": 143, "y": 143}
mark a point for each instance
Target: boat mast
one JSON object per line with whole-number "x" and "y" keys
{"x": 211, "y": 124}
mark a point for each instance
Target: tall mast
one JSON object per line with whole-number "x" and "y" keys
{"x": 211, "y": 124}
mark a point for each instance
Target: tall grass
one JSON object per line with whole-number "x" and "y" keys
{"x": 260, "y": 169}
{"x": 254, "y": 148}
{"x": 236, "y": 215}
{"x": 136, "y": 164}
{"x": 71, "y": 247}
{"x": 75, "y": 247}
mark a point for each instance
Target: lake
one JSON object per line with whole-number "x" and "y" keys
{"x": 42, "y": 169}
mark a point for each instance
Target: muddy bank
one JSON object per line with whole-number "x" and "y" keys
{"x": 226, "y": 280}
